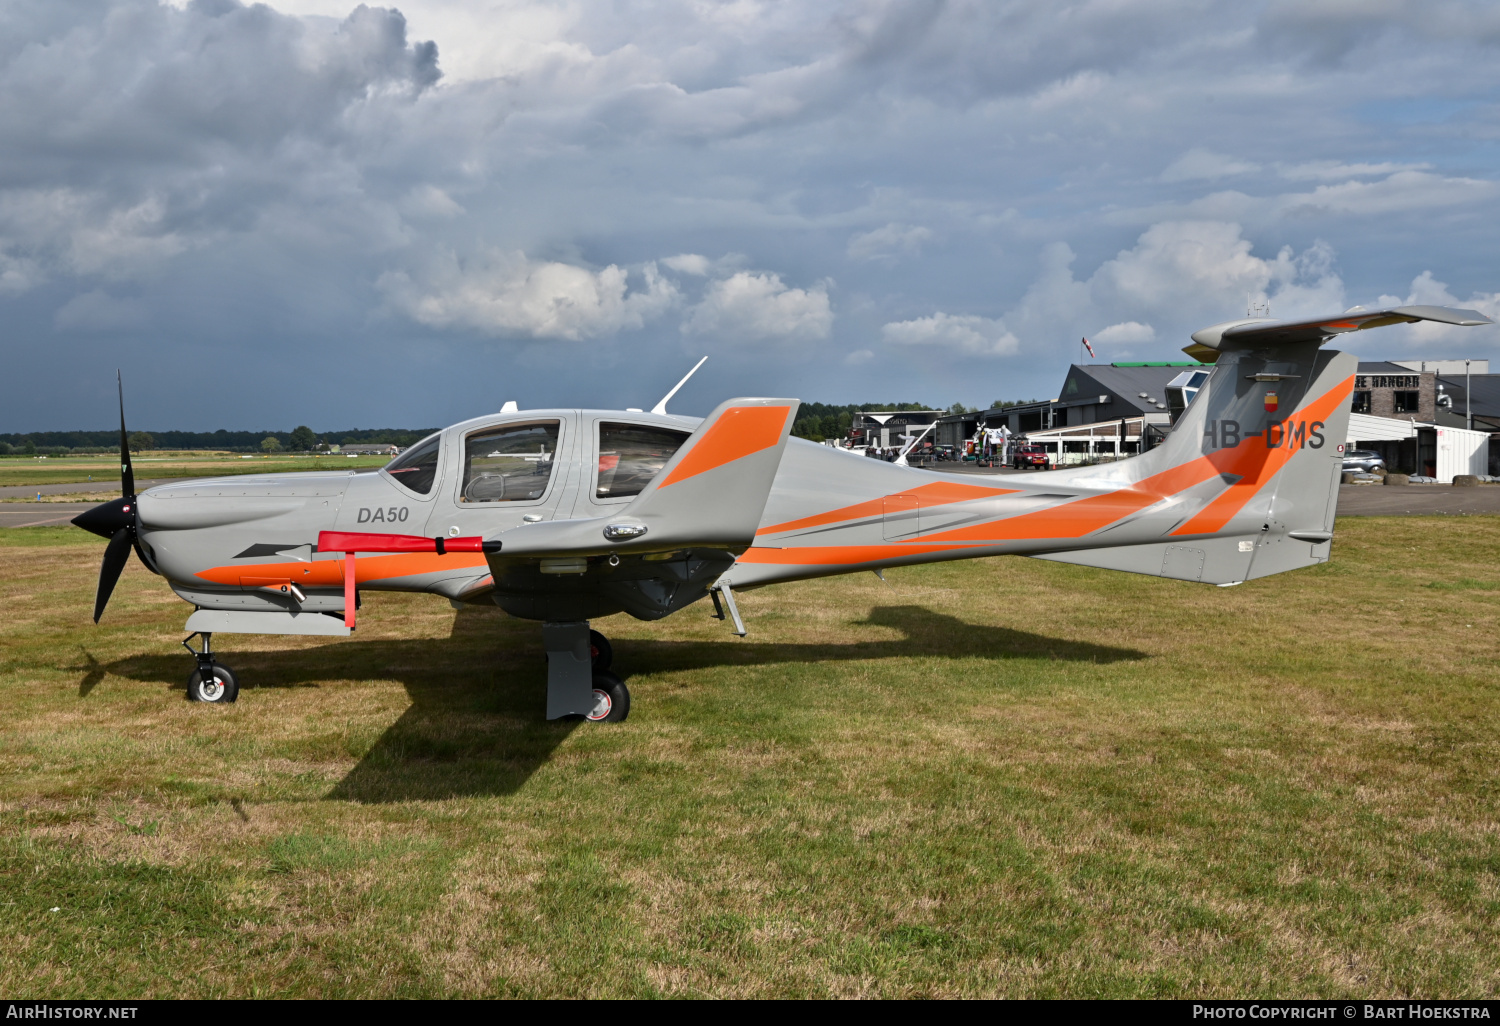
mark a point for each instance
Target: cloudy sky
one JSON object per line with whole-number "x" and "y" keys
{"x": 354, "y": 216}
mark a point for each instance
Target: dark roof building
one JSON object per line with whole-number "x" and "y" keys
{"x": 1091, "y": 393}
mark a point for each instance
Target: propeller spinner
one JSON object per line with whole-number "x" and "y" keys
{"x": 115, "y": 520}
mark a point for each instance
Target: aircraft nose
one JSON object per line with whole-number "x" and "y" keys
{"x": 107, "y": 518}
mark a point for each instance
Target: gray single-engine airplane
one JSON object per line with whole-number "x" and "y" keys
{"x": 564, "y": 516}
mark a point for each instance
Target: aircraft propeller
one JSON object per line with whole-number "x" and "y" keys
{"x": 114, "y": 520}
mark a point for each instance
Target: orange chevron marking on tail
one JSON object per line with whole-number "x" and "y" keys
{"x": 1256, "y": 464}
{"x": 938, "y": 494}
{"x": 739, "y": 431}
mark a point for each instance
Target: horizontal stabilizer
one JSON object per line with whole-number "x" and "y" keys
{"x": 1260, "y": 332}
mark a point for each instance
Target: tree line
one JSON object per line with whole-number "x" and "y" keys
{"x": 815, "y": 421}
{"x": 299, "y": 439}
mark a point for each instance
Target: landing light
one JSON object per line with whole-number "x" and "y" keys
{"x": 624, "y": 532}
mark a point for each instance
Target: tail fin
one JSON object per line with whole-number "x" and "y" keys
{"x": 1248, "y": 479}
{"x": 1252, "y": 466}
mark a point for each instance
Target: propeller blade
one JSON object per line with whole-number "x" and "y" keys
{"x": 115, "y": 555}
{"x": 127, "y": 472}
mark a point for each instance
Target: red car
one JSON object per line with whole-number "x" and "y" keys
{"x": 1030, "y": 456}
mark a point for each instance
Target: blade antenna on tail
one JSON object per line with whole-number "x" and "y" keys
{"x": 661, "y": 407}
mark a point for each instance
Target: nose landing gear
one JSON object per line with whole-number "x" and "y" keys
{"x": 212, "y": 681}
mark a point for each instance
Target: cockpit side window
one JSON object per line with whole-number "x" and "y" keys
{"x": 509, "y": 464}
{"x": 416, "y": 468}
{"x": 630, "y": 455}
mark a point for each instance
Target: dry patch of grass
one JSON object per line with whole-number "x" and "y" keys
{"x": 1001, "y": 777}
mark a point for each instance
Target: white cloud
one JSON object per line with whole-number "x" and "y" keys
{"x": 688, "y": 263}
{"x": 1331, "y": 170}
{"x": 859, "y": 356}
{"x": 1426, "y": 290}
{"x": 1125, "y": 333}
{"x": 1185, "y": 273}
{"x": 505, "y": 294}
{"x": 885, "y": 244}
{"x": 427, "y": 200}
{"x": 1402, "y": 192}
{"x": 975, "y": 336}
{"x": 757, "y": 305}
{"x": 1207, "y": 268}
{"x": 1202, "y": 165}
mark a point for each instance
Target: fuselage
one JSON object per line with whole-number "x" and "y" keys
{"x": 249, "y": 543}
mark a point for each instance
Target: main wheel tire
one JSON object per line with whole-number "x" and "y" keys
{"x": 611, "y": 699}
{"x": 220, "y": 688}
{"x": 601, "y": 651}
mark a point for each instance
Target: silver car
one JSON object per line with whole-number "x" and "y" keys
{"x": 1362, "y": 461}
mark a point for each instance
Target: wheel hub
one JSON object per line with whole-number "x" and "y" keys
{"x": 602, "y": 705}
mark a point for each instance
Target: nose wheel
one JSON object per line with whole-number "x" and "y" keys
{"x": 212, "y": 681}
{"x": 217, "y": 685}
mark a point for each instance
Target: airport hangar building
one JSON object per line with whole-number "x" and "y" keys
{"x": 1433, "y": 417}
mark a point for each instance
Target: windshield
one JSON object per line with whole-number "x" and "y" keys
{"x": 416, "y": 468}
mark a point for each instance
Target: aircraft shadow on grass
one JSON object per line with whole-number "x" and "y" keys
{"x": 475, "y": 725}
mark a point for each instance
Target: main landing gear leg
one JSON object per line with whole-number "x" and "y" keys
{"x": 212, "y": 681}
{"x": 578, "y": 681}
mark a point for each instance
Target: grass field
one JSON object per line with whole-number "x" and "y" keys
{"x": 68, "y": 469}
{"x": 1001, "y": 777}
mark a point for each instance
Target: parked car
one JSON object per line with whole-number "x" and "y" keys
{"x": 1023, "y": 456}
{"x": 1362, "y": 461}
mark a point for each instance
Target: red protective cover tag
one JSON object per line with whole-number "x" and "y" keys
{"x": 360, "y": 541}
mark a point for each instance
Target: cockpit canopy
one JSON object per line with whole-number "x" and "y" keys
{"x": 514, "y": 460}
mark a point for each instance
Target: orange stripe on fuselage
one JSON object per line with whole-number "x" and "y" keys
{"x": 329, "y": 573}
{"x": 1084, "y": 516}
{"x": 739, "y": 431}
{"x": 938, "y": 494}
{"x": 1256, "y": 467}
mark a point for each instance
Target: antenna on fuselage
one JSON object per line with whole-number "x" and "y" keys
{"x": 661, "y": 407}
